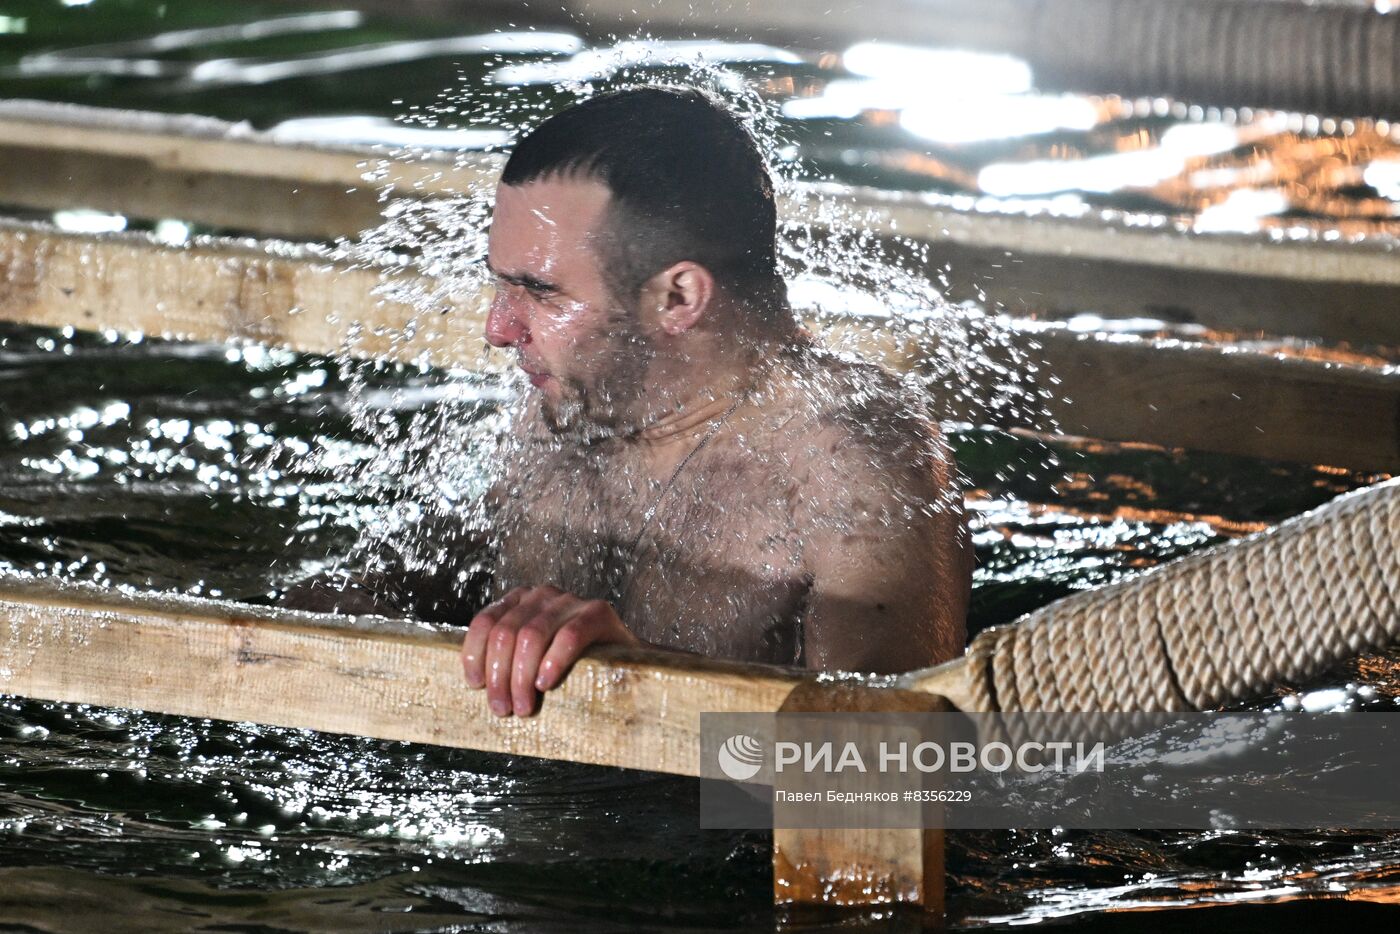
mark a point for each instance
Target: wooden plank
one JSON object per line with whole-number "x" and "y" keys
{"x": 1036, "y": 284}
{"x": 1163, "y": 392}
{"x": 362, "y": 676}
{"x": 1215, "y": 398}
{"x": 188, "y": 143}
{"x": 1039, "y": 265}
{"x": 204, "y": 148}
{"x": 211, "y": 172}
{"x": 218, "y": 290}
{"x": 40, "y": 179}
{"x": 840, "y": 867}
{"x": 1108, "y": 238}
{"x": 223, "y": 175}
{"x": 1174, "y": 393}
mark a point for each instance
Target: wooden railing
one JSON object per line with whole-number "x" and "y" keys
{"x": 1164, "y": 392}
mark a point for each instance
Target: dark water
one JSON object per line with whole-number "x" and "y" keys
{"x": 137, "y": 464}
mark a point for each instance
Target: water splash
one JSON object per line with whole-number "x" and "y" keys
{"x": 859, "y": 285}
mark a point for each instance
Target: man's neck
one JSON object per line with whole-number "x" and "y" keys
{"x": 686, "y": 421}
{"x": 705, "y": 390}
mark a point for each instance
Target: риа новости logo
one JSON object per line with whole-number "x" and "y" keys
{"x": 741, "y": 757}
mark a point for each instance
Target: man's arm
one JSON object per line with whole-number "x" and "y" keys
{"x": 886, "y": 546}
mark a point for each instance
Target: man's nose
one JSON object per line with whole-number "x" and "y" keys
{"x": 503, "y": 325}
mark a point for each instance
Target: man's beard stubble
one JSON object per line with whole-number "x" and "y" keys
{"x": 610, "y": 403}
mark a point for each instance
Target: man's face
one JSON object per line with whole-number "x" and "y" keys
{"x": 579, "y": 347}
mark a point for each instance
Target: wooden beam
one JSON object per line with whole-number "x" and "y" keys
{"x": 210, "y": 172}
{"x": 153, "y": 166}
{"x": 937, "y": 218}
{"x": 841, "y": 867}
{"x": 194, "y": 149}
{"x": 1214, "y": 398}
{"x": 1038, "y": 266}
{"x": 186, "y": 143}
{"x": 1163, "y": 392}
{"x": 362, "y": 676}
{"x": 38, "y": 179}
{"x": 219, "y": 290}
{"x": 1334, "y": 306}
{"x": 402, "y": 681}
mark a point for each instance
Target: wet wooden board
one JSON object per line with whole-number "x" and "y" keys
{"x": 215, "y": 174}
{"x": 218, "y": 290}
{"x": 844, "y": 867}
{"x": 210, "y": 172}
{"x": 402, "y": 681}
{"x": 1162, "y": 392}
{"x": 1217, "y": 399}
{"x": 361, "y": 676}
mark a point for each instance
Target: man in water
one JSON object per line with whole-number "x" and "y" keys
{"x": 688, "y": 471}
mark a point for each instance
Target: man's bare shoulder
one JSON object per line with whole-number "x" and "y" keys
{"x": 878, "y": 510}
{"x": 854, "y": 430}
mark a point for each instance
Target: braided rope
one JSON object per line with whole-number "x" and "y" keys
{"x": 1315, "y": 58}
{"x": 1226, "y": 623}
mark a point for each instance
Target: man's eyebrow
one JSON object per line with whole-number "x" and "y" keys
{"x": 523, "y": 279}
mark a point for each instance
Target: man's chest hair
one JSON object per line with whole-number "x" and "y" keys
{"x": 580, "y": 512}
{"x": 717, "y": 570}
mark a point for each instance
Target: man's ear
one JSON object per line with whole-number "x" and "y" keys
{"x": 680, "y": 296}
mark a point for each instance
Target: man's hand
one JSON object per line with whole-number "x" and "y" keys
{"x": 526, "y": 642}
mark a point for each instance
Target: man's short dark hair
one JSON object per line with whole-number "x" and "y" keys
{"x": 687, "y": 179}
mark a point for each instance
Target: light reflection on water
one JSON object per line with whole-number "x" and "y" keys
{"x": 167, "y": 813}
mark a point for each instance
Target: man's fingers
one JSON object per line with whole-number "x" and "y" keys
{"x": 474, "y": 644}
{"x": 500, "y": 646}
{"x": 531, "y": 642}
{"x": 500, "y": 655}
{"x": 579, "y": 630}
{"x": 474, "y": 650}
{"x": 527, "y": 641}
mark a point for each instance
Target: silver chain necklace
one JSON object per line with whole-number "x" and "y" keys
{"x": 630, "y": 556}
